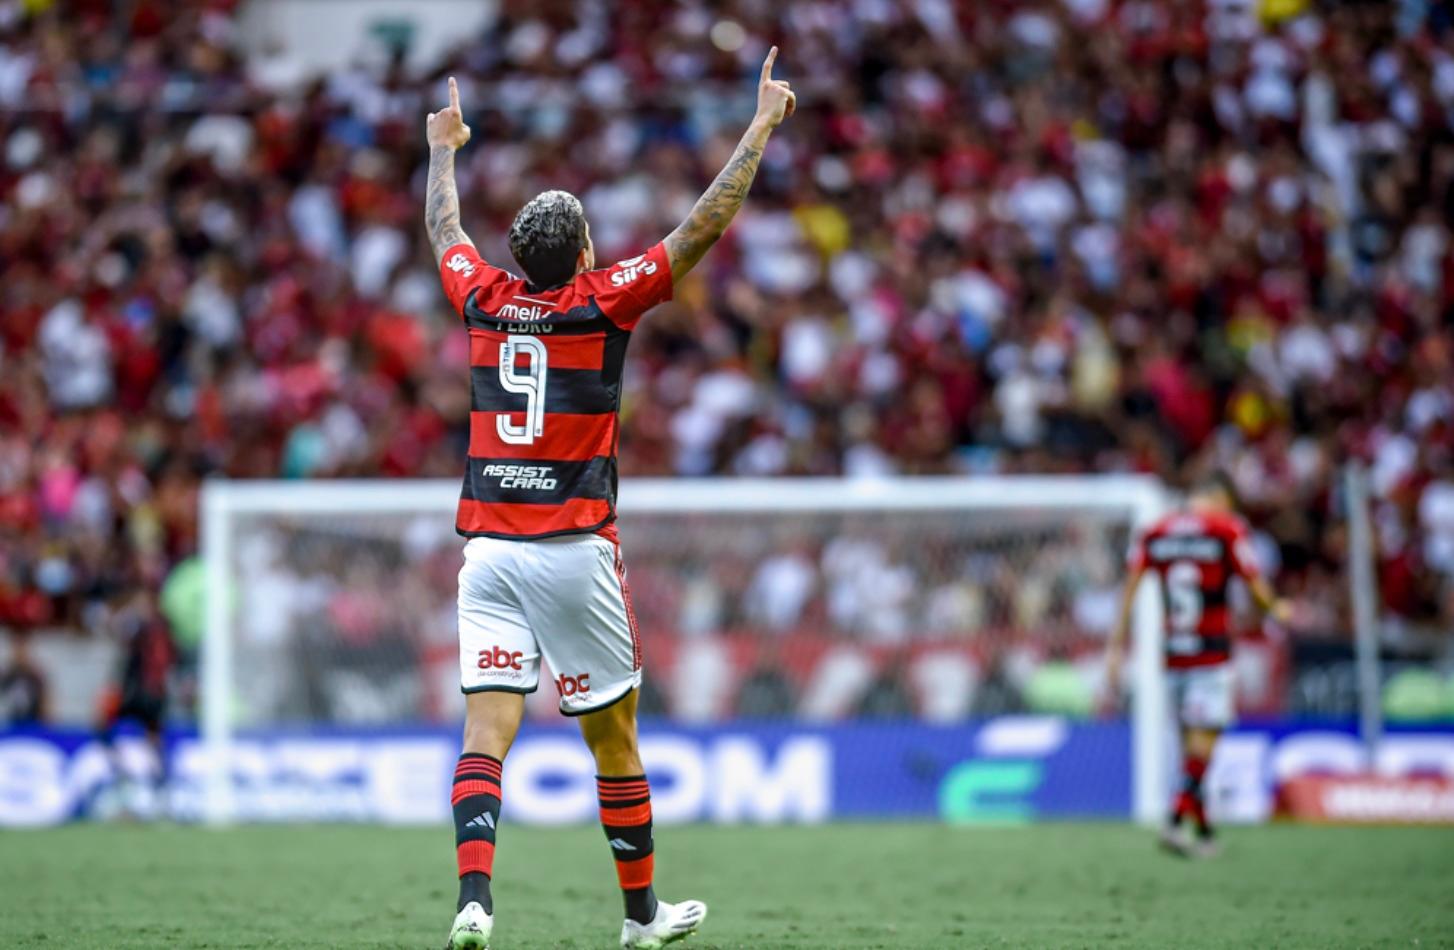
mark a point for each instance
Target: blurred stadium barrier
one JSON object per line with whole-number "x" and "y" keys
{"x": 1002, "y": 769}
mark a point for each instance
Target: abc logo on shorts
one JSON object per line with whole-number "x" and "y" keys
{"x": 500, "y": 659}
{"x": 571, "y": 685}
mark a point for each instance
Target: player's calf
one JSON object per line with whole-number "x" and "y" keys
{"x": 625, "y": 799}
{"x": 626, "y": 818}
{"x": 475, "y": 798}
{"x": 476, "y": 802}
{"x": 1199, "y": 744}
{"x": 491, "y": 721}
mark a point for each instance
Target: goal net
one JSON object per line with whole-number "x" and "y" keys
{"x": 911, "y": 613}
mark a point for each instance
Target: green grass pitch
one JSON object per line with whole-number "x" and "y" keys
{"x": 837, "y": 886}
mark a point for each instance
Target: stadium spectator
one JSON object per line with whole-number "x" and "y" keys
{"x": 23, "y": 700}
{"x": 137, "y": 697}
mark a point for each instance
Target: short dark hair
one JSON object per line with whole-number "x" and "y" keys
{"x": 1217, "y": 482}
{"x": 547, "y": 236}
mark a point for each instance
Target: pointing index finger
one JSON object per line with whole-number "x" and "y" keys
{"x": 453, "y": 94}
{"x": 767, "y": 64}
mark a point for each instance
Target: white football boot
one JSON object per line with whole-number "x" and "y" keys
{"x": 471, "y": 930}
{"x": 1206, "y": 848}
{"x": 672, "y": 923}
{"x": 1174, "y": 840}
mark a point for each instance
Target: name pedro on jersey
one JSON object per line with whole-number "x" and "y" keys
{"x": 521, "y": 476}
{"x": 1175, "y": 548}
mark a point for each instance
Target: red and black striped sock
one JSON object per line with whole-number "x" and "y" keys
{"x": 1195, "y": 769}
{"x": 626, "y": 817}
{"x": 476, "y": 801}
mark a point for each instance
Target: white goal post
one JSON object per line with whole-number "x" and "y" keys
{"x": 1128, "y": 502}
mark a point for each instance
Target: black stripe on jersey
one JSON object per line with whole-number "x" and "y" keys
{"x": 1214, "y": 596}
{"x": 1209, "y": 645}
{"x": 537, "y": 482}
{"x": 613, "y": 368}
{"x": 587, "y": 318}
{"x": 613, "y": 355}
{"x": 566, "y": 390}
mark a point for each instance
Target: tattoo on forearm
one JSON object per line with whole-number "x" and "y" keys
{"x": 714, "y": 210}
{"x": 441, "y": 203}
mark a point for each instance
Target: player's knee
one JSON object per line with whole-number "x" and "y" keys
{"x": 482, "y": 739}
{"x": 488, "y": 735}
{"x": 491, "y": 720}
{"x": 613, "y": 745}
{"x": 617, "y": 756}
{"x": 1200, "y": 742}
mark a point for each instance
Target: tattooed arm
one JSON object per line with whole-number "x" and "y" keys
{"x": 441, "y": 203}
{"x": 718, "y": 205}
{"x": 446, "y": 132}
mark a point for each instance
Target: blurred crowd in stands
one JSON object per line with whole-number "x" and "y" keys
{"x": 1057, "y": 236}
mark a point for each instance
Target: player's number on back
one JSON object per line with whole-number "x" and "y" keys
{"x": 530, "y": 383}
{"x": 1184, "y": 601}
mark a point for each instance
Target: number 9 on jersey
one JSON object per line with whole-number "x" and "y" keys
{"x": 530, "y": 384}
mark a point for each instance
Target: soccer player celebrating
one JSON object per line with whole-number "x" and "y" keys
{"x": 1195, "y": 553}
{"x": 542, "y": 573}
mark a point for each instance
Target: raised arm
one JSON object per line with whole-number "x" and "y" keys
{"x": 1267, "y": 600}
{"x": 718, "y": 205}
{"x": 446, "y": 132}
{"x": 1244, "y": 563}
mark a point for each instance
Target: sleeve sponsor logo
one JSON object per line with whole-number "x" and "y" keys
{"x": 628, "y": 270}
{"x": 460, "y": 265}
{"x": 535, "y": 477}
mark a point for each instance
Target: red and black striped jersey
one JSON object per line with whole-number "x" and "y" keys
{"x": 1195, "y": 555}
{"x": 545, "y": 388}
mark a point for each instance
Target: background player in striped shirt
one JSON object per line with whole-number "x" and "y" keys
{"x": 1195, "y": 553}
{"x": 543, "y": 575}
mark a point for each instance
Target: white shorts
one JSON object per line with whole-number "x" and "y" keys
{"x": 564, "y": 598}
{"x": 1204, "y": 697}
